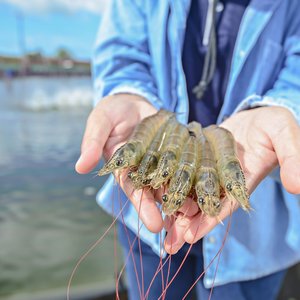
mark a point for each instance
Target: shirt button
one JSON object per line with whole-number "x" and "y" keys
{"x": 208, "y": 281}
{"x": 219, "y": 7}
{"x": 242, "y": 53}
{"x": 211, "y": 239}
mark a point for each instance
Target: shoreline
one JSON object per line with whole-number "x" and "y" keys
{"x": 11, "y": 67}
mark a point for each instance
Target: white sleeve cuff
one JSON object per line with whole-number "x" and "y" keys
{"x": 259, "y": 101}
{"x": 131, "y": 89}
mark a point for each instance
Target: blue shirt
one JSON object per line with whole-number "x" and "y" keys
{"x": 139, "y": 50}
{"x": 229, "y": 14}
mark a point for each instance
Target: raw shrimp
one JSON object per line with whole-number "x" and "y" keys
{"x": 207, "y": 184}
{"x": 169, "y": 159}
{"x": 181, "y": 183}
{"x": 230, "y": 172}
{"x": 189, "y": 161}
{"x": 146, "y": 170}
{"x": 131, "y": 153}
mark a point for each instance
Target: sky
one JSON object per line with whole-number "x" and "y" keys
{"x": 49, "y": 25}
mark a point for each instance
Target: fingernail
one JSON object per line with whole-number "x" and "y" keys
{"x": 81, "y": 157}
{"x": 78, "y": 161}
{"x": 182, "y": 222}
{"x": 174, "y": 248}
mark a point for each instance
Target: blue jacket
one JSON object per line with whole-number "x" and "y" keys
{"x": 138, "y": 50}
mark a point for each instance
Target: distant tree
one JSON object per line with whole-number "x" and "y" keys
{"x": 63, "y": 54}
{"x": 35, "y": 57}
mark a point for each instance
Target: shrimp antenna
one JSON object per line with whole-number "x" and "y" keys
{"x": 84, "y": 256}
{"x": 214, "y": 258}
{"x": 219, "y": 220}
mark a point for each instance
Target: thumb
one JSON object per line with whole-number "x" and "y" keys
{"x": 97, "y": 131}
{"x": 290, "y": 174}
{"x": 286, "y": 144}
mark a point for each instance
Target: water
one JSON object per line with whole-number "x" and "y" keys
{"x": 48, "y": 214}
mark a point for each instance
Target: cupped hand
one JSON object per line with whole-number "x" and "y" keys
{"x": 265, "y": 137}
{"x": 108, "y": 127}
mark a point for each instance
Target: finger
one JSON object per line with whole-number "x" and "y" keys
{"x": 286, "y": 143}
{"x": 168, "y": 222}
{"x": 177, "y": 227}
{"x": 189, "y": 208}
{"x": 144, "y": 202}
{"x": 89, "y": 158}
{"x": 97, "y": 132}
{"x": 175, "y": 237}
{"x": 202, "y": 224}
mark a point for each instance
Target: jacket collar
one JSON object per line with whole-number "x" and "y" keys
{"x": 255, "y": 19}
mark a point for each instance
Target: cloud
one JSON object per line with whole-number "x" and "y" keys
{"x": 69, "y": 6}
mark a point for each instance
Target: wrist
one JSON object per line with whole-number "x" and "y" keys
{"x": 125, "y": 106}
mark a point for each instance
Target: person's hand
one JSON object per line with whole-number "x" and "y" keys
{"x": 265, "y": 136}
{"x": 108, "y": 127}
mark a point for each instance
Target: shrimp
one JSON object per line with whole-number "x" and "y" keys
{"x": 230, "y": 172}
{"x": 168, "y": 161}
{"x": 195, "y": 167}
{"x": 181, "y": 183}
{"x": 131, "y": 153}
{"x": 207, "y": 184}
{"x": 147, "y": 167}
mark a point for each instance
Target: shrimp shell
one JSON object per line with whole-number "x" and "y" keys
{"x": 147, "y": 168}
{"x": 131, "y": 153}
{"x": 207, "y": 184}
{"x": 169, "y": 158}
{"x": 181, "y": 183}
{"x": 230, "y": 172}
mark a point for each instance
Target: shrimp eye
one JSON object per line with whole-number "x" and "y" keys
{"x": 164, "y": 198}
{"x": 229, "y": 187}
{"x": 178, "y": 202}
{"x": 165, "y": 174}
{"x": 201, "y": 200}
{"x": 217, "y": 204}
{"x": 146, "y": 181}
{"x": 119, "y": 162}
{"x": 129, "y": 175}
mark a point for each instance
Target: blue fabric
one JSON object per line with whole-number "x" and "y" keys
{"x": 207, "y": 109}
{"x": 264, "y": 288}
{"x": 139, "y": 50}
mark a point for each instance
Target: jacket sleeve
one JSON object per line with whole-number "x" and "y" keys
{"x": 286, "y": 89}
{"x": 121, "y": 60}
